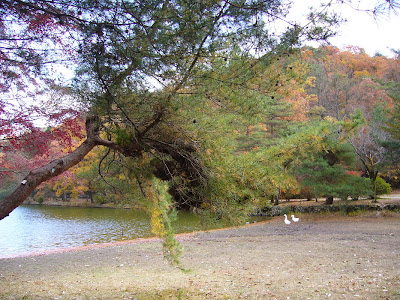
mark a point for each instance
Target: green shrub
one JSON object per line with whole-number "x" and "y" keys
{"x": 354, "y": 187}
{"x": 100, "y": 199}
{"x": 285, "y": 210}
{"x": 39, "y": 199}
{"x": 5, "y": 192}
{"x": 382, "y": 187}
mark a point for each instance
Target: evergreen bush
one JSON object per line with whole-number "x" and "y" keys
{"x": 382, "y": 187}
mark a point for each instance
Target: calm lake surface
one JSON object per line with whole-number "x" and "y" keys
{"x": 33, "y": 228}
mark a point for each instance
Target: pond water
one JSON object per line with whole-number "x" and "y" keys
{"x": 31, "y": 228}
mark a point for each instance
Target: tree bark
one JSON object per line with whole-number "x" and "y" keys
{"x": 52, "y": 169}
{"x": 276, "y": 200}
{"x": 329, "y": 200}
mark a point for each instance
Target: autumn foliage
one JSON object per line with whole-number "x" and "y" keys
{"x": 321, "y": 83}
{"x": 174, "y": 91}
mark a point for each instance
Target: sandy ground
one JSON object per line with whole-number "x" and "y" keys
{"x": 320, "y": 257}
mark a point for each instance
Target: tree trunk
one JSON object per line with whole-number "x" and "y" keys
{"x": 373, "y": 179}
{"x": 90, "y": 192}
{"x": 185, "y": 164}
{"x": 329, "y": 200}
{"x": 52, "y": 169}
{"x": 276, "y": 200}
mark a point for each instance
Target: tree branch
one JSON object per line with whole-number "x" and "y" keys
{"x": 52, "y": 169}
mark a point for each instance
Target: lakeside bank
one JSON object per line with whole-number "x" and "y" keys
{"x": 385, "y": 202}
{"x": 322, "y": 256}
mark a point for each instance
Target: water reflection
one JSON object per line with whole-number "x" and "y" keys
{"x": 37, "y": 228}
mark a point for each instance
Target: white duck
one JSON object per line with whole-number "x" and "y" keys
{"x": 287, "y": 222}
{"x": 295, "y": 219}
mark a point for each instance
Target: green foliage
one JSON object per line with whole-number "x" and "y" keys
{"x": 317, "y": 174}
{"x": 380, "y": 113}
{"x": 235, "y": 114}
{"x": 103, "y": 198}
{"x": 8, "y": 183}
{"x": 235, "y": 187}
{"x": 382, "y": 187}
{"x": 320, "y": 165}
{"x": 39, "y": 198}
{"x": 285, "y": 210}
{"x": 350, "y": 210}
{"x": 123, "y": 137}
{"x": 5, "y": 191}
{"x": 193, "y": 119}
{"x": 162, "y": 214}
{"x": 393, "y": 125}
{"x": 206, "y": 127}
{"x": 113, "y": 178}
{"x": 354, "y": 187}
{"x": 392, "y": 153}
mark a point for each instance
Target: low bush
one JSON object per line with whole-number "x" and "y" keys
{"x": 382, "y": 187}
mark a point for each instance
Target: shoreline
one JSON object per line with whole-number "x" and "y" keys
{"x": 320, "y": 257}
{"x": 394, "y": 197}
{"x": 388, "y": 200}
{"x": 180, "y": 237}
{"x": 80, "y": 203}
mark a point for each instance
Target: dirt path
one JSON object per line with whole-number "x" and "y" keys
{"x": 317, "y": 258}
